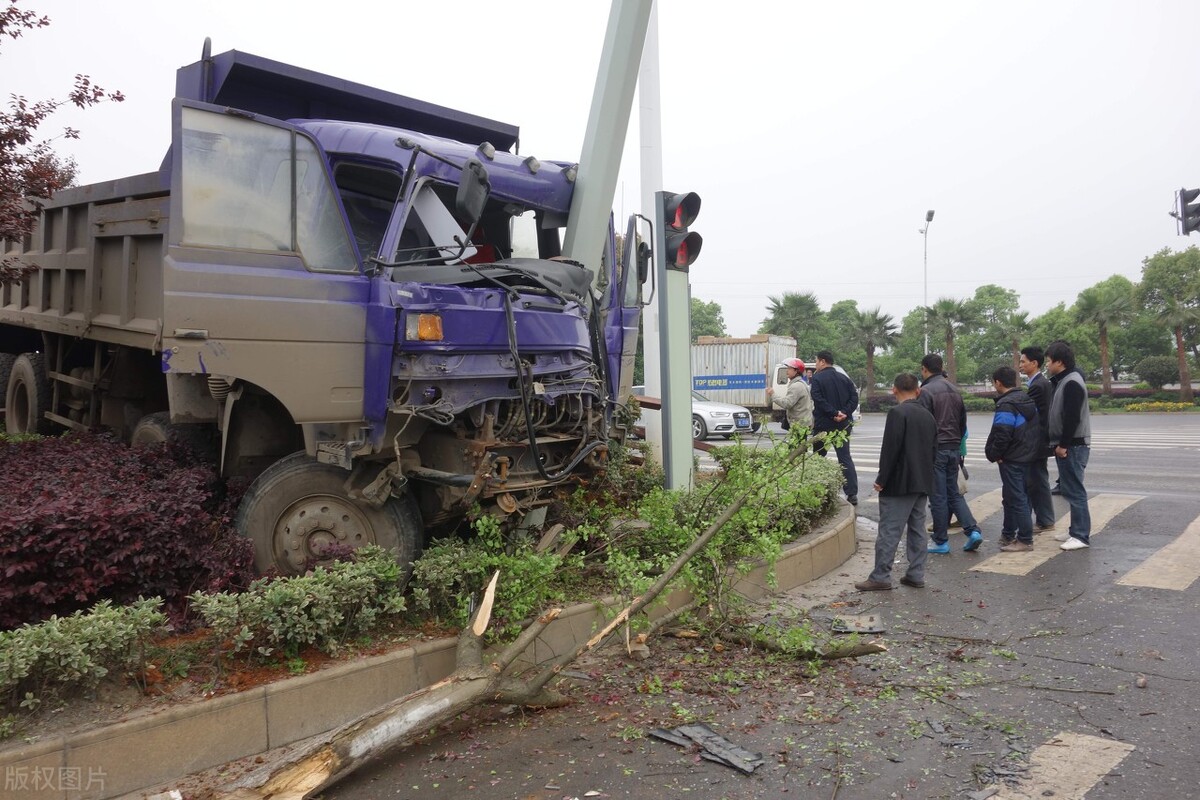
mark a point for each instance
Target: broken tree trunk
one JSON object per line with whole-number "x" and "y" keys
{"x": 327, "y": 760}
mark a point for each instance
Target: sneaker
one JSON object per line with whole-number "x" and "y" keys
{"x": 940, "y": 549}
{"x": 1062, "y": 537}
{"x": 853, "y": 500}
{"x": 1004, "y": 540}
{"x": 1043, "y": 528}
{"x": 953, "y": 524}
{"x": 1016, "y": 547}
{"x": 907, "y": 581}
{"x": 1073, "y": 544}
{"x": 872, "y": 586}
{"x": 974, "y": 539}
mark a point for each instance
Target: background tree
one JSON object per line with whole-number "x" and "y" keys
{"x": 1167, "y": 275}
{"x": 1178, "y": 316}
{"x": 1157, "y": 370}
{"x": 707, "y": 319}
{"x": 839, "y": 322}
{"x": 799, "y": 316}
{"x": 1058, "y": 323}
{"x": 984, "y": 343}
{"x": 30, "y": 171}
{"x": 1013, "y": 327}
{"x": 869, "y": 331}
{"x": 1108, "y": 303}
{"x": 948, "y": 318}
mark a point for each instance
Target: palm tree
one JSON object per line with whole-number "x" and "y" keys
{"x": 1102, "y": 306}
{"x": 949, "y": 317}
{"x": 872, "y": 330}
{"x": 798, "y": 316}
{"x": 1013, "y": 327}
{"x": 1178, "y": 316}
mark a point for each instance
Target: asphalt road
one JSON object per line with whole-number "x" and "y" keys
{"x": 1044, "y": 674}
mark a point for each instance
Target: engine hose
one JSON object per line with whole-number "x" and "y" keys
{"x": 524, "y": 389}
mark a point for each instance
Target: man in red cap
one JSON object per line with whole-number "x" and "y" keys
{"x": 798, "y": 401}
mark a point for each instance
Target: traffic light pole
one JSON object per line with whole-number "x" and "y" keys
{"x": 674, "y": 311}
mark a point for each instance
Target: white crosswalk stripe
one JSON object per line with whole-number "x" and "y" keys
{"x": 1174, "y": 567}
{"x": 1068, "y": 767}
{"x": 1103, "y": 508}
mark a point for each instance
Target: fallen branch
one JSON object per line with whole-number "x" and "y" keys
{"x": 326, "y": 760}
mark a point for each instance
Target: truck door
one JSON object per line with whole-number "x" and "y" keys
{"x": 262, "y": 282}
{"x": 624, "y": 319}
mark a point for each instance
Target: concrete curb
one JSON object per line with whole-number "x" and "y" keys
{"x": 161, "y": 746}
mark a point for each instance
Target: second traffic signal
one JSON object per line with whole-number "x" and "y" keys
{"x": 1189, "y": 211}
{"x": 679, "y": 245}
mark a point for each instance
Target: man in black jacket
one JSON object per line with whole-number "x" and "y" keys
{"x": 904, "y": 481}
{"x": 835, "y": 397}
{"x": 1013, "y": 442}
{"x": 942, "y": 399}
{"x": 1037, "y": 485}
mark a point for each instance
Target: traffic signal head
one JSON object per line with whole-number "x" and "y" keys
{"x": 1189, "y": 211}
{"x": 679, "y": 212}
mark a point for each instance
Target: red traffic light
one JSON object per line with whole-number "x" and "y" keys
{"x": 681, "y": 210}
{"x": 682, "y": 248}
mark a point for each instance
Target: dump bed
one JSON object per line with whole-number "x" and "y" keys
{"x": 100, "y": 249}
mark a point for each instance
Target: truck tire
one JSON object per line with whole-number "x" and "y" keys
{"x": 298, "y": 506}
{"x": 699, "y": 432}
{"x": 27, "y": 398}
{"x": 157, "y": 428}
{"x": 6, "y": 363}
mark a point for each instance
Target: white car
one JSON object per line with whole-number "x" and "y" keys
{"x": 714, "y": 419}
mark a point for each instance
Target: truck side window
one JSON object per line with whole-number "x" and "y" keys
{"x": 254, "y": 186}
{"x": 369, "y": 196}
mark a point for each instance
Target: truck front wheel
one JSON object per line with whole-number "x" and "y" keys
{"x": 297, "y": 511}
{"x": 27, "y": 398}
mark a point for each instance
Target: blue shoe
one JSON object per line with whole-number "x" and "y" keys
{"x": 940, "y": 549}
{"x": 974, "y": 539}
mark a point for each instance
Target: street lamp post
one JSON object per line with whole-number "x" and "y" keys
{"x": 925, "y": 234}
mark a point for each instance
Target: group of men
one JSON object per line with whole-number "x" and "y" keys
{"x": 925, "y": 433}
{"x": 824, "y": 406}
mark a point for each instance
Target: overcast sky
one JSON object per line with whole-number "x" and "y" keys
{"x": 1048, "y": 135}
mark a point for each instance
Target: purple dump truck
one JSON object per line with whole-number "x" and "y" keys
{"x": 355, "y": 299}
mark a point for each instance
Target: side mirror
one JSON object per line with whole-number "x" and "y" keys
{"x": 473, "y": 190}
{"x": 643, "y": 262}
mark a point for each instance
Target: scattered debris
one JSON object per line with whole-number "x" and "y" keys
{"x": 713, "y": 746}
{"x": 1141, "y": 682}
{"x": 984, "y": 794}
{"x": 857, "y": 623}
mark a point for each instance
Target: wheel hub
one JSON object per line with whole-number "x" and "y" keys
{"x": 310, "y": 526}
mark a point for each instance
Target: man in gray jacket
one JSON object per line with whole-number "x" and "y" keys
{"x": 797, "y": 403}
{"x": 942, "y": 399}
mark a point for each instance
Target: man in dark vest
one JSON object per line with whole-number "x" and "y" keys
{"x": 1070, "y": 430}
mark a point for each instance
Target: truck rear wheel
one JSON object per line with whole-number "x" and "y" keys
{"x": 27, "y": 398}
{"x": 6, "y": 363}
{"x": 157, "y": 428}
{"x": 297, "y": 510}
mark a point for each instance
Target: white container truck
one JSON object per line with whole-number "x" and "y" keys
{"x": 738, "y": 371}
